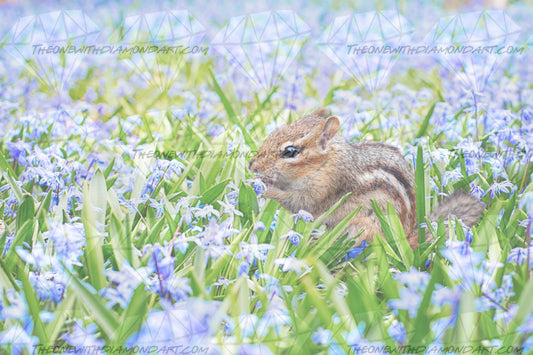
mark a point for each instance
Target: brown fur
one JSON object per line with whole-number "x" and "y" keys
{"x": 461, "y": 205}
{"x": 327, "y": 167}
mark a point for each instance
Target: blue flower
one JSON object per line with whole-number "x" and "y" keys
{"x": 251, "y": 349}
{"x": 244, "y": 269}
{"x": 83, "y": 338}
{"x": 47, "y": 316}
{"x": 259, "y": 187}
{"x": 15, "y": 308}
{"x": 352, "y": 253}
{"x": 322, "y": 336}
{"x": 443, "y": 295}
{"x": 527, "y": 201}
{"x": 247, "y": 323}
{"x": 276, "y": 316}
{"x": 303, "y": 215}
{"x": 259, "y": 226}
{"x": 186, "y": 323}
{"x": 161, "y": 262}
{"x": 253, "y": 250}
{"x": 464, "y": 262}
{"x": 293, "y": 236}
{"x": 164, "y": 281}
{"x": 158, "y": 206}
{"x": 124, "y": 282}
{"x": 19, "y": 339}
{"x": 520, "y": 255}
{"x": 451, "y": 176}
{"x": 49, "y": 279}
{"x": 528, "y": 345}
{"x": 507, "y": 315}
{"x": 292, "y": 264}
{"x": 409, "y": 300}
{"x": 505, "y": 186}
{"x": 229, "y": 208}
{"x": 397, "y": 331}
{"x": 274, "y": 221}
{"x": 527, "y": 327}
{"x": 68, "y": 239}
{"x": 414, "y": 280}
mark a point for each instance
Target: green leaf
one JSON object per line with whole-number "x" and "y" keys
{"x": 93, "y": 215}
{"x": 231, "y": 113}
{"x": 424, "y": 126}
{"x": 95, "y": 306}
{"x": 26, "y": 211}
{"x": 34, "y": 309}
{"x": 420, "y": 193}
{"x": 10, "y": 177}
{"x": 213, "y": 193}
{"x": 247, "y": 202}
{"x": 133, "y": 318}
{"x": 422, "y": 321}
{"x": 24, "y": 233}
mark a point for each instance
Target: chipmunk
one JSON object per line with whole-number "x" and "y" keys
{"x": 306, "y": 165}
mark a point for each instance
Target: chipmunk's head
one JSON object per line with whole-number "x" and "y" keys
{"x": 294, "y": 152}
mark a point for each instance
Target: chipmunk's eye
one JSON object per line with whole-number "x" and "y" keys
{"x": 290, "y": 152}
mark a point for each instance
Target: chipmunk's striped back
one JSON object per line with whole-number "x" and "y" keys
{"x": 379, "y": 172}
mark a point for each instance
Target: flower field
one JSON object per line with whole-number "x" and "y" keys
{"x": 131, "y": 223}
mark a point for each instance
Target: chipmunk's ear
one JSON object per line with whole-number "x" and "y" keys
{"x": 329, "y": 129}
{"x": 322, "y": 112}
